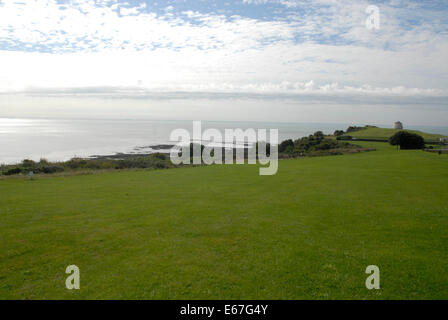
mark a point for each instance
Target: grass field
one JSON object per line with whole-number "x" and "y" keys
{"x": 224, "y": 232}
{"x": 386, "y": 133}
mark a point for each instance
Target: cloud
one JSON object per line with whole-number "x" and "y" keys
{"x": 315, "y": 49}
{"x": 88, "y": 26}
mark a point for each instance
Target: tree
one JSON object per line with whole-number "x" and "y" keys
{"x": 28, "y": 163}
{"x": 338, "y": 133}
{"x": 407, "y": 140}
{"x": 319, "y": 135}
{"x": 282, "y": 147}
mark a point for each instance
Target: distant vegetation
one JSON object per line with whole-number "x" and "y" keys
{"x": 316, "y": 144}
{"x": 155, "y": 161}
{"x": 343, "y": 135}
{"x": 355, "y": 128}
{"x": 371, "y": 133}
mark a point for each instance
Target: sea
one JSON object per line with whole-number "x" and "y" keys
{"x": 63, "y": 139}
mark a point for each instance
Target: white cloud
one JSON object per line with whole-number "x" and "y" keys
{"x": 323, "y": 52}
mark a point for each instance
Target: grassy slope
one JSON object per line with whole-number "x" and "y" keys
{"x": 226, "y": 232}
{"x": 385, "y": 133}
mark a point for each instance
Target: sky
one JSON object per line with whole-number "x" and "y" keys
{"x": 261, "y": 60}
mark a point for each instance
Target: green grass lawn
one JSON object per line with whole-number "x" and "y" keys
{"x": 385, "y": 133}
{"x": 224, "y": 232}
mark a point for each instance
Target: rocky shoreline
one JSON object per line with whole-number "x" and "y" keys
{"x": 160, "y": 148}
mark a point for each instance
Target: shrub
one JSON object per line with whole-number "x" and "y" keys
{"x": 326, "y": 145}
{"x": 28, "y": 164}
{"x": 285, "y": 145}
{"x": 76, "y": 163}
{"x": 355, "y": 128}
{"x": 43, "y": 161}
{"x": 289, "y": 149}
{"x": 12, "y": 171}
{"x": 50, "y": 169}
{"x": 344, "y": 138}
{"x": 159, "y": 156}
{"x": 319, "y": 135}
{"x": 407, "y": 140}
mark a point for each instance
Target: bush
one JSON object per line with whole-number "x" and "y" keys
{"x": 319, "y": 135}
{"x": 76, "y": 163}
{"x": 28, "y": 165}
{"x": 283, "y": 147}
{"x": 355, "y": 128}
{"x": 159, "y": 156}
{"x": 318, "y": 142}
{"x": 156, "y": 160}
{"x": 326, "y": 145}
{"x": 338, "y": 133}
{"x": 289, "y": 149}
{"x": 407, "y": 140}
{"x": 12, "y": 171}
{"x": 43, "y": 161}
{"x": 50, "y": 169}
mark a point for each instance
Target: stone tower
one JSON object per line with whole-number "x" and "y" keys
{"x": 398, "y": 125}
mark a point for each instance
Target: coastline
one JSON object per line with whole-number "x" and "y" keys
{"x": 64, "y": 139}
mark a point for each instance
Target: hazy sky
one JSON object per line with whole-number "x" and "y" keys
{"x": 278, "y": 60}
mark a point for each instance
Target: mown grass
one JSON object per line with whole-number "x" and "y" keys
{"x": 386, "y": 133}
{"x": 224, "y": 232}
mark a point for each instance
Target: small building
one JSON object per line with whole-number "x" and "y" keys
{"x": 398, "y": 125}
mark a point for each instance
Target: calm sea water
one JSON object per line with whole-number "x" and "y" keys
{"x": 62, "y": 139}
